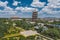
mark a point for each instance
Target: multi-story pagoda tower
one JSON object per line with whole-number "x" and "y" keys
{"x": 34, "y": 15}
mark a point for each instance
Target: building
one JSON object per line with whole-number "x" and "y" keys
{"x": 33, "y": 19}
{"x": 34, "y": 16}
{"x": 15, "y": 18}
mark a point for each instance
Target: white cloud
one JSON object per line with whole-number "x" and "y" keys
{"x": 25, "y": 9}
{"x": 53, "y": 1}
{"x": 53, "y": 4}
{"x": 4, "y": 4}
{"x": 36, "y": 3}
{"x": 16, "y": 3}
{"x": 7, "y": 10}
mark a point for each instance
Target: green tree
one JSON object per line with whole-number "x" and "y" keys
{"x": 53, "y": 33}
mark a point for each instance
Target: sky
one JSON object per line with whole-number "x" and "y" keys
{"x": 25, "y": 8}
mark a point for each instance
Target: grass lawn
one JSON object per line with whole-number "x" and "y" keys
{"x": 15, "y": 34}
{"x": 12, "y": 35}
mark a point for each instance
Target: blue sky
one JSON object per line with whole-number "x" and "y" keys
{"x": 24, "y": 8}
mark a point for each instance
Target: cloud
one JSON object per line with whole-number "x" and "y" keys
{"x": 7, "y": 10}
{"x": 4, "y": 4}
{"x": 53, "y": 7}
{"x": 53, "y": 1}
{"x": 25, "y": 12}
{"x": 25, "y": 9}
{"x": 36, "y": 3}
{"x": 16, "y": 3}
